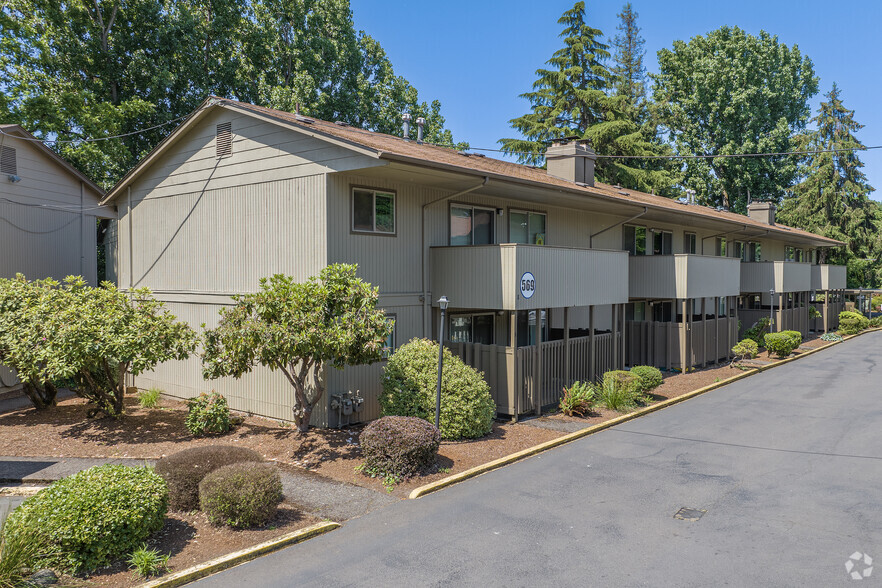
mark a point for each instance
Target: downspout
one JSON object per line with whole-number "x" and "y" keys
{"x": 425, "y": 263}
{"x": 131, "y": 240}
{"x": 82, "y": 232}
{"x": 636, "y": 216}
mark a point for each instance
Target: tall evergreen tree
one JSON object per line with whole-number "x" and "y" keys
{"x": 832, "y": 197}
{"x": 628, "y": 69}
{"x": 570, "y": 99}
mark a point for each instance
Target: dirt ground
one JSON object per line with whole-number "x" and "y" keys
{"x": 190, "y": 539}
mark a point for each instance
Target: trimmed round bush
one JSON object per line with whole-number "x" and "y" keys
{"x": 399, "y": 446}
{"x": 795, "y": 338}
{"x": 241, "y": 495}
{"x": 852, "y": 323}
{"x": 93, "y": 517}
{"x": 648, "y": 377}
{"x": 409, "y": 389}
{"x": 183, "y": 471}
{"x": 208, "y": 414}
{"x": 780, "y": 344}
{"x": 745, "y": 349}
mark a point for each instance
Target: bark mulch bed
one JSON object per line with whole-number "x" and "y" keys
{"x": 190, "y": 540}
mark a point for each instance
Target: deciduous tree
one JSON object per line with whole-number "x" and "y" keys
{"x": 299, "y": 328}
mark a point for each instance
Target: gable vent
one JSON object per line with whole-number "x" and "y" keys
{"x": 224, "y": 139}
{"x": 7, "y": 161}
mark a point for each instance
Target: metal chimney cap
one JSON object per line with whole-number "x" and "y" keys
{"x": 421, "y": 121}
{"x": 406, "y": 117}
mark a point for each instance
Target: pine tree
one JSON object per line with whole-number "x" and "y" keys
{"x": 832, "y": 198}
{"x": 570, "y": 99}
{"x": 628, "y": 69}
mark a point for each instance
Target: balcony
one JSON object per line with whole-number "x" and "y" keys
{"x": 828, "y": 277}
{"x": 498, "y": 277}
{"x": 683, "y": 276}
{"x": 780, "y": 276}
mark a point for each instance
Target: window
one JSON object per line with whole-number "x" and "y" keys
{"x": 526, "y": 227}
{"x": 635, "y": 311}
{"x": 689, "y": 243}
{"x": 721, "y": 311}
{"x": 663, "y": 312}
{"x": 472, "y": 328}
{"x": 471, "y": 225}
{"x": 526, "y": 321}
{"x": 789, "y": 253}
{"x": 389, "y": 347}
{"x": 634, "y": 240}
{"x": 662, "y": 242}
{"x": 7, "y": 161}
{"x": 720, "y": 247}
{"x": 373, "y": 211}
{"x": 224, "y": 140}
{"x": 754, "y": 251}
{"x": 739, "y": 250}
{"x": 798, "y": 255}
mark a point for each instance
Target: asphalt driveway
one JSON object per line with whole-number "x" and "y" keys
{"x": 787, "y": 465}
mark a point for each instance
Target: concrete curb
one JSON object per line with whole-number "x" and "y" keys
{"x": 20, "y": 490}
{"x": 239, "y": 557}
{"x": 508, "y": 459}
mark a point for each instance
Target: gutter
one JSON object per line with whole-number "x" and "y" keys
{"x": 425, "y": 252}
{"x": 600, "y": 232}
{"x": 743, "y": 229}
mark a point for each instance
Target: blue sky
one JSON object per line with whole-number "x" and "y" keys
{"x": 477, "y": 56}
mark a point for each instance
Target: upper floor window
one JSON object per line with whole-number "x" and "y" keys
{"x": 754, "y": 251}
{"x": 634, "y": 240}
{"x": 373, "y": 211}
{"x": 793, "y": 254}
{"x": 739, "y": 250}
{"x": 526, "y": 227}
{"x": 389, "y": 347}
{"x": 720, "y": 247}
{"x": 689, "y": 243}
{"x": 662, "y": 242}
{"x": 472, "y": 225}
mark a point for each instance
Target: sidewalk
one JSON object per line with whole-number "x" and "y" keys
{"x": 318, "y": 496}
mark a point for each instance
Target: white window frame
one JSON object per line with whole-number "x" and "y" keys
{"x": 374, "y": 192}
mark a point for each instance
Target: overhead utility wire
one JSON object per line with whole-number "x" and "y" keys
{"x": 93, "y": 139}
{"x": 728, "y": 156}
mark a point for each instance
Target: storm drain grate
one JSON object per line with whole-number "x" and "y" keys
{"x": 689, "y": 514}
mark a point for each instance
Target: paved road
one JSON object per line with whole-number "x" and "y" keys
{"x": 787, "y": 464}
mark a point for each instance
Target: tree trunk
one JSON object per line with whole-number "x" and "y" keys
{"x": 42, "y": 396}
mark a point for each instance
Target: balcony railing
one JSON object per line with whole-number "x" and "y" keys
{"x": 780, "y": 276}
{"x": 524, "y": 277}
{"x": 683, "y": 276}
{"x": 828, "y": 277}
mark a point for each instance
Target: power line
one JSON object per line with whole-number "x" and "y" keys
{"x": 93, "y": 139}
{"x": 59, "y": 207}
{"x": 726, "y": 156}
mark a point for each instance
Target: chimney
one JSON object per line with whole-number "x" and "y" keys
{"x": 420, "y": 122}
{"x": 763, "y": 212}
{"x": 406, "y": 126}
{"x": 571, "y": 161}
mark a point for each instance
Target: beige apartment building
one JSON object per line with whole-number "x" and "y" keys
{"x": 48, "y": 211}
{"x": 551, "y": 276}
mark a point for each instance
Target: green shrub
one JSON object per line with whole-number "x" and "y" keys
{"x": 409, "y": 388}
{"x": 148, "y": 562}
{"x": 18, "y": 555}
{"x": 149, "y": 398}
{"x": 814, "y": 313}
{"x": 648, "y": 377}
{"x": 876, "y": 301}
{"x": 183, "y": 471}
{"x": 756, "y": 332}
{"x": 876, "y": 321}
{"x": 745, "y": 349}
{"x": 620, "y": 390}
{"x": 208, "y": 414}
{"x": 795, "y": 338}
{"x": 399, "y": 447}
{"x": 831, "y": 337}
{"x": 93, "y": 517}
{"x": 780, "y": 344}
{"x": 852, "y": 323}
{"x": 577, "y": 399}
{"x": 241, "y": 495}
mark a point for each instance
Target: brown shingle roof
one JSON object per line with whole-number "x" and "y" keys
{"x": 390, "y": 146}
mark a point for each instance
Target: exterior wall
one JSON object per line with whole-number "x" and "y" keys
{"x": 778, "y": 275}
{"x": 204, "y": 228}
{"x": 683, "y": 276}
{"x": 44, "y": 230}
{"x": 828, "y": 277}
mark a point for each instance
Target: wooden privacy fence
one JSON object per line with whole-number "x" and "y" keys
{"x": 829, "y": 320}
{"x": 789, "y": 319}
{"x": 512, "y": 373}
{"x": 660, "y": 344}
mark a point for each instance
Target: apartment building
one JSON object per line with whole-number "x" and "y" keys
{"x": 551, "y": 276}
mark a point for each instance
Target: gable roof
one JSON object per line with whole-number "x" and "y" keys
{"x": 18, "y": 132}
{"x": 393, "y": 148}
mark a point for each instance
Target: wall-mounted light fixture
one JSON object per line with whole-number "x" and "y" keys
{"x": 13, "y": 178}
